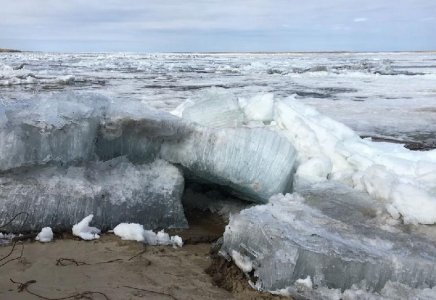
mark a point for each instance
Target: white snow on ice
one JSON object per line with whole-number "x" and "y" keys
{"x": 84, "y": 231}
{"x": 136, "y": 232}
{"x": 45, "y": 236}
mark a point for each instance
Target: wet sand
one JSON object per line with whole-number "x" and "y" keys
{"x": 118, "y": 270}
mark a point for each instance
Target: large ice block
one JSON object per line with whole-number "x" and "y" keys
{"x": 215, "y": 109}
{"x": 137, "y": 131}
{"x": 61, "y": 128}
{"x": 253, "y": 163}
{"x": 115, "y": 191}
{"x": 337, "y": 236}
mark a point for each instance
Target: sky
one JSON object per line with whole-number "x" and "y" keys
{"x": 217, "y": 25}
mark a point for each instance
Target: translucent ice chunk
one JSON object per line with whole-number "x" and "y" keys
{"x": 61, "y": 128}
{"x": 215, "y": 109}
{"x": 335, "y": 235}
{"x": 254, "y": 163}
{"x": 114, "y": 192}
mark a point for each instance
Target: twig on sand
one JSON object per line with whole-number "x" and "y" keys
{"x": 136, "y": 255}
{"x": 153, "y": 292}
{"x": 84, "y": 295}
{"x": 12, "y": 250}
{"x": 61, "y": 262}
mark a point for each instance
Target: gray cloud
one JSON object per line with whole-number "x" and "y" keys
{"x": 216, "y": 25}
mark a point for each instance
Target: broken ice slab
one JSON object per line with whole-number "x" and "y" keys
{"x": 253, "y": 163}
{"x": 137, "y": 131}
{"x": 336, "y": 235}
{"x": 115, "y": 191}
{"x": 60, "y": 128}
{"x": 214, "y": 108}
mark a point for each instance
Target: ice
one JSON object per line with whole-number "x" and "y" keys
{"x": 338, "y": 236}
{"x": 114, "y": 191}
{"x": 137, "y": 131}
{"x": 60, "y": 128}
{"x": 260, "y": 108}
{"x": 130, "y": 232}
{"x": 214, "y": 108}
{"x": 253, "y": 163}
{"x": 3, "y": 119}
{"x": 177, "y": 241}
{"x": 45, "y": 236}
{"x": 136, "y": 232}
{"x": 402, "y": 179}
{"x": 203, "y": 198}
{"x": 84, "y": 231}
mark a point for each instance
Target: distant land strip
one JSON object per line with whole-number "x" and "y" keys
{"x": 9, "y": 50}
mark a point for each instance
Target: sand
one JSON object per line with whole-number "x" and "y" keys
{"x": 126, "y": 269}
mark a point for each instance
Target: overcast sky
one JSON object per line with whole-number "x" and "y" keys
{"x": 218, "y": 25}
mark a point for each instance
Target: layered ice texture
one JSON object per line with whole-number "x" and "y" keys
{"x": 114, "y": 192}
{"x": 70, "y": 155}
{"x": 61, "y": 128}
{"x": 355, "y": 229}
{"x": 338, "y": 237}
{"x": 362, "y": 223}
{"x": 252, "y": 163}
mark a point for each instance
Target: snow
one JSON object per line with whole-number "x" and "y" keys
{"x": 306, "y": 283}
{"x": 177, "y": 241}
{"x": 84, "y": 231}
{"x": 260, "y": 108}
{"x": 130, "y": 232}
{"x": 136, "y": 232}
{"x": 401, "y": 178}
{"x": 45, "y": 236}
{"x": 243, "y": 262}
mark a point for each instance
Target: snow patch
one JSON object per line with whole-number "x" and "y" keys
{"x": 84, "y": 231}
{"x": 45, "y": 236}
{"x": 136, "y": 232}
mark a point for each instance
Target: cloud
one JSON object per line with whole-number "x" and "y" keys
{"x": 215, "y": 25}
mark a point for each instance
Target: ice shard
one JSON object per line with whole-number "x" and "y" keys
{"x": 340, "y": 238}
{"x": 115, "y": 191}
{"x": 61, "y": 128}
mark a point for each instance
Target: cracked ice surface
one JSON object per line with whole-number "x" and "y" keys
{"x": 339, "y": 237}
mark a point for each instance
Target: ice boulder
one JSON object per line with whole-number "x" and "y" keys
{"x": 252, "y": 163}
{"x": 137, "y": 131}
{"x": 115, "y": 191}
{"x": 60, "y": 128}
{"x": 214, "y": 108}
{"x": 337, "y": 236}
{"x": 260, "y": 108}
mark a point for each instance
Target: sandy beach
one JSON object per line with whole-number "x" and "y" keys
{"x": 110, "y": 268}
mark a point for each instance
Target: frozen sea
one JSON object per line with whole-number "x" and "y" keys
{"x": 386, "y": 95}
